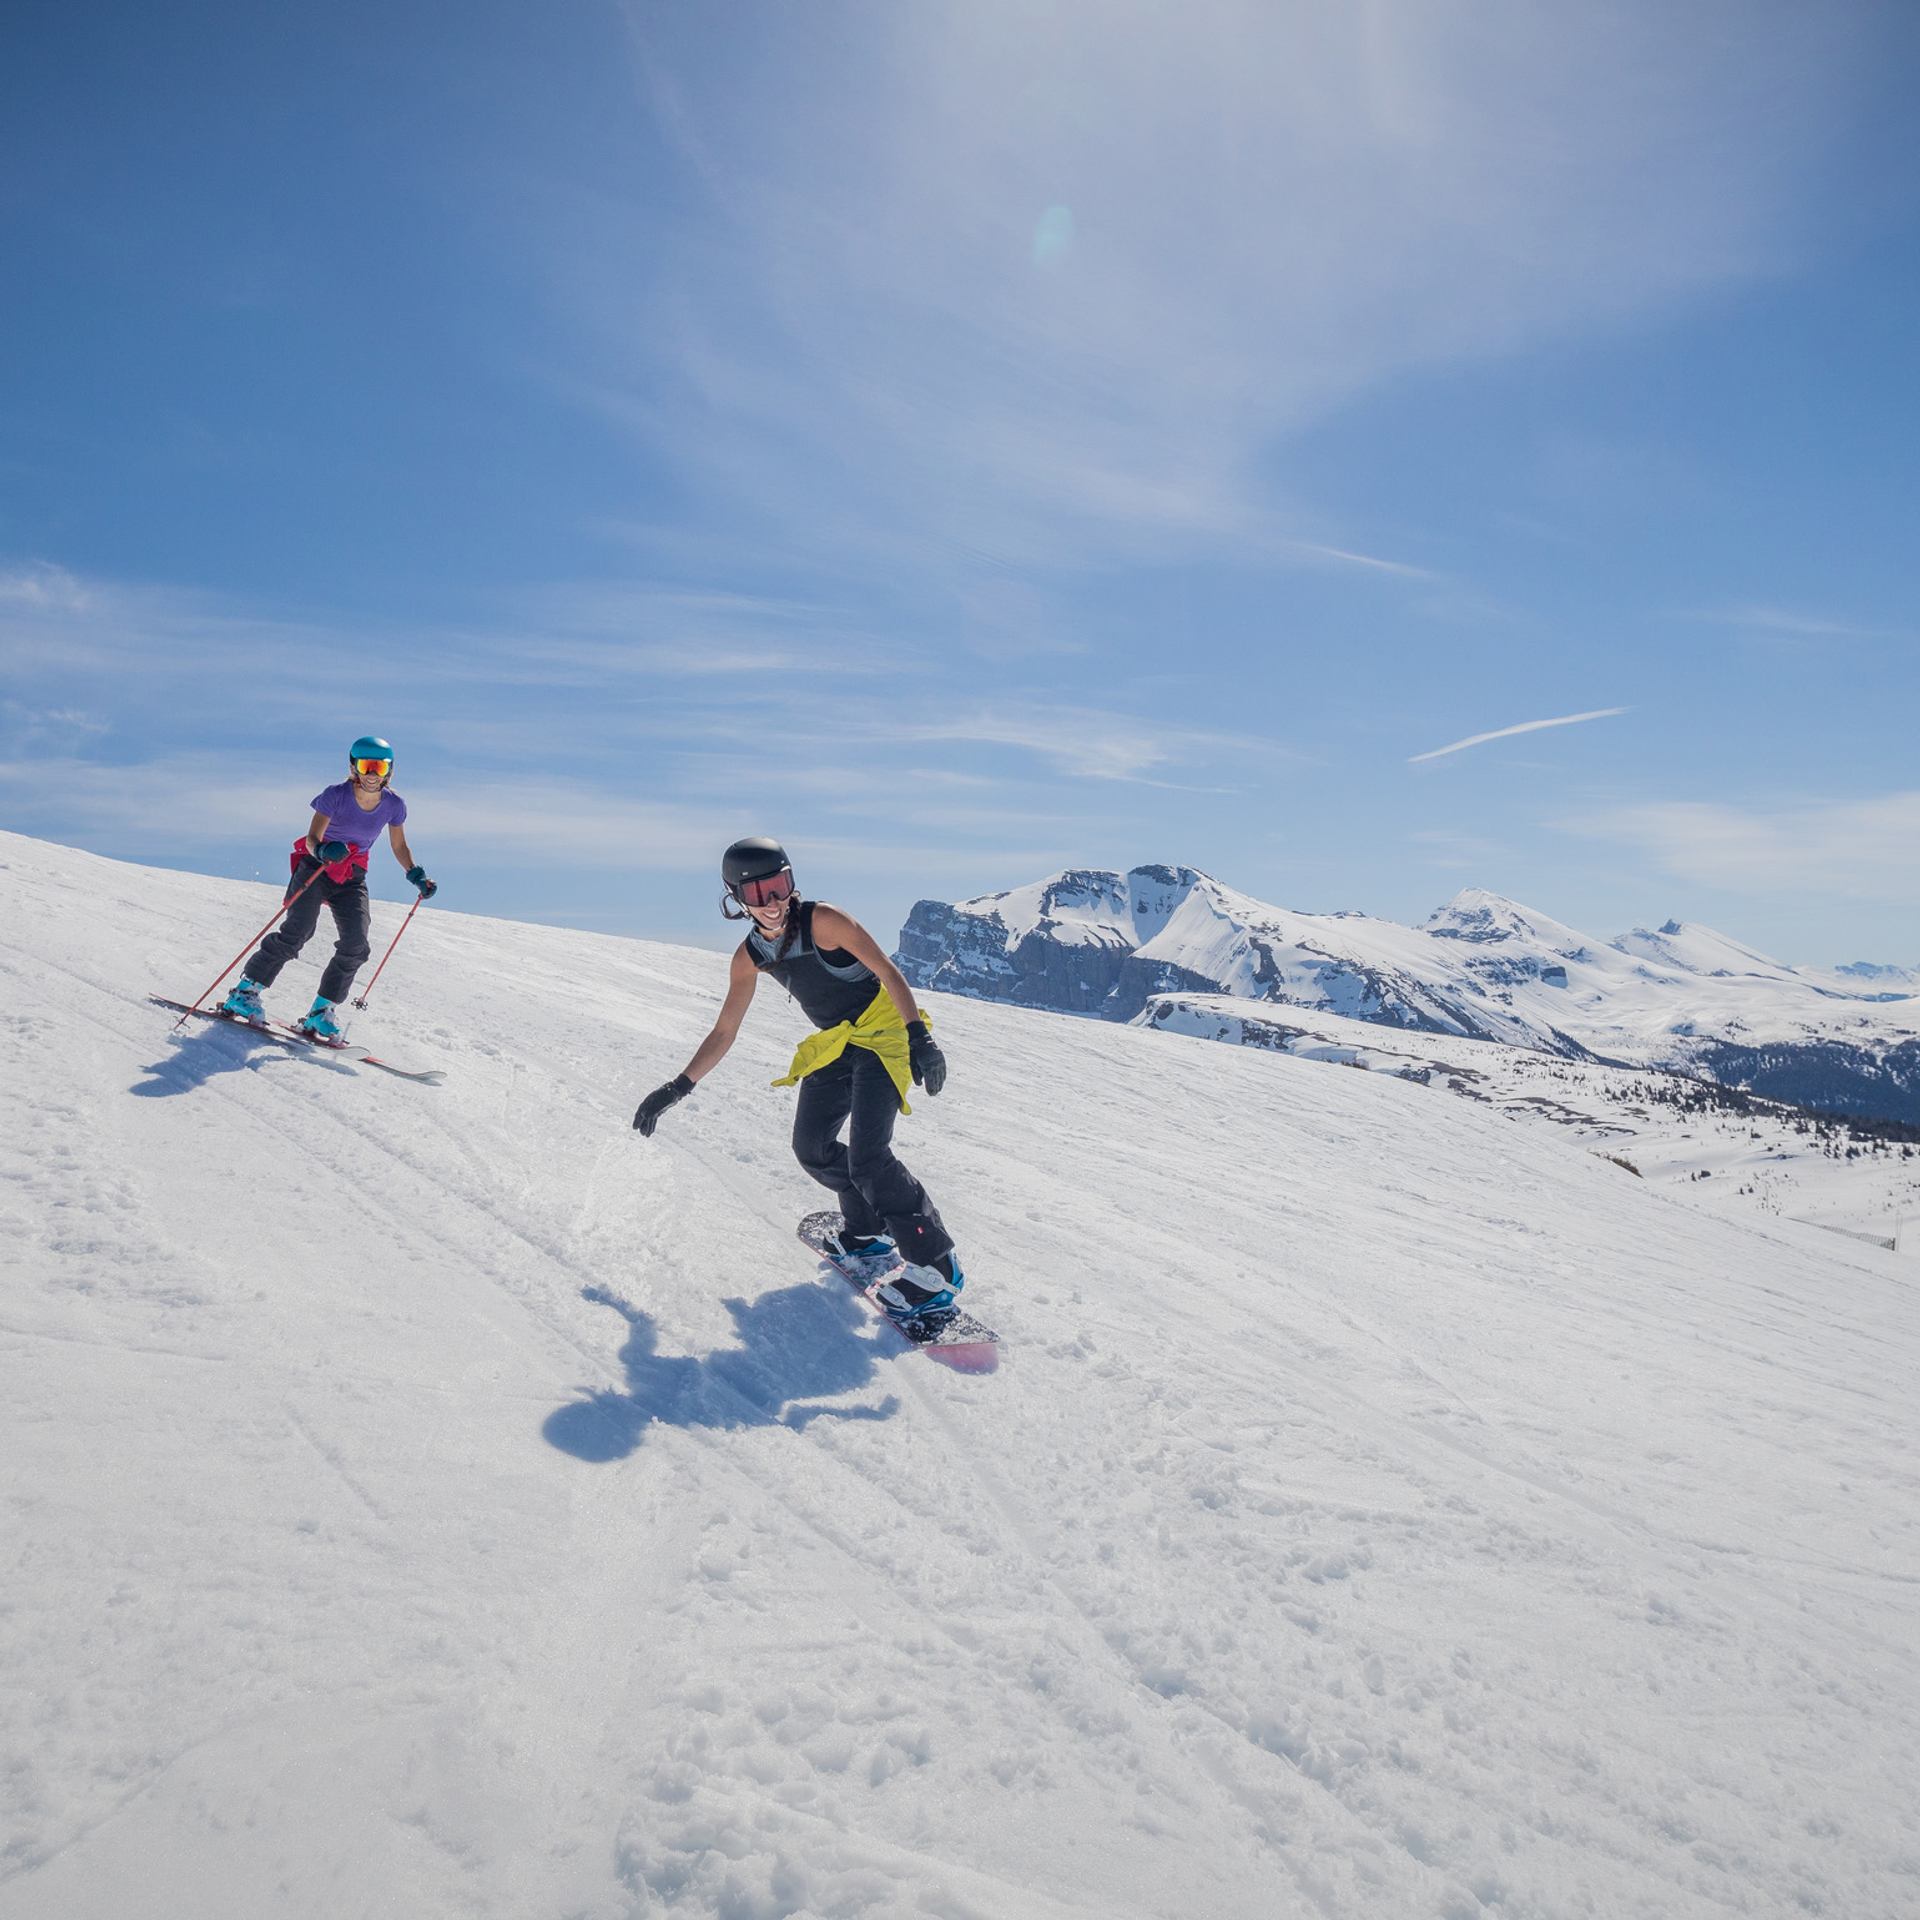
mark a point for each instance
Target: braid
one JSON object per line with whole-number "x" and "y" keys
{"x": 792, "y": 927}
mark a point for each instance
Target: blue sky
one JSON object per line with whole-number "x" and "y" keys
{"x": 971, "y": 439}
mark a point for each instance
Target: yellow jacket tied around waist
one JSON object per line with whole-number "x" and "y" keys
{"x": 879, "y": 1029}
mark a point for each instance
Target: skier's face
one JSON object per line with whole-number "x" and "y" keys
{"x": 773, "y": 916}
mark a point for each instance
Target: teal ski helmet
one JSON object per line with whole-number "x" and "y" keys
{"x": 370, "y": 747}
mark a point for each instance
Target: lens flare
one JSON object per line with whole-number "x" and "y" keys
{"x": 1053, "y": 237}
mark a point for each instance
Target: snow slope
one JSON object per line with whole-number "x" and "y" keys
{"x": 1719, "y": 1148}
{"x": 442, "y": 1502}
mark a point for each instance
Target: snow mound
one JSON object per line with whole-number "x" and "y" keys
{"x": 442, "y": 1502}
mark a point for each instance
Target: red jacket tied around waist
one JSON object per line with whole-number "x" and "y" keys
{"x": 342, "y": 870}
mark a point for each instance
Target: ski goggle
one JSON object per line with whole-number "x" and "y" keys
{"x": 379, "y": 767}
{"x": 767, "y": 892}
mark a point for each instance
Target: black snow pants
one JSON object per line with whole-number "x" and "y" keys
{"x": 352, "y": 920}
{"x": 874, "y": 1189}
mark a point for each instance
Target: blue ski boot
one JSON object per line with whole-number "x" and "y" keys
{"x": 862, "y": 1261}
{"x": 317, "y": 1023}
{"x": 920, "y": 1300}
{"x": 243, "y": 1003}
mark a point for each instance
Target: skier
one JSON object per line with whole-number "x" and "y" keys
{"x": 336, "y": 846}
{"x": 855, "y": 1069}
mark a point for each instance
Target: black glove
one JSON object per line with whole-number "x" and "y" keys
{"x": 658, "y": 1101}
{"x": 929, "y": 1063}
{"x": 417, "y": 877}
{"x": 331, "y": 852}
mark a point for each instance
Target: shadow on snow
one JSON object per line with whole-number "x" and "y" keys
{"x": 205, "y": 1052}
{"x": 799, "y": 1343}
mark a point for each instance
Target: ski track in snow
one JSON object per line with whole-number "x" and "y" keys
{"x": 439, "y": 1501}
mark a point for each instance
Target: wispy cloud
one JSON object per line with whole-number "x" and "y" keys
{"x": 1525, "y": 726}
{"x": 626, "y": 627}
{"x": 1252, "y": 214}
{"x": 1085, "y": 741}
{"x": 725, "y": 691}
{"x": 1853, "y": 849}
{"x": 1791, "y": 623}
{"x": 1368, "y": 562}
{"x": 138, "y": 808}
{"x": 57, "y": 626}
{"x": 566, "y": 633}
{"x": 42, "y": 587}
{"x": 46, "y": 729}
{"x": 882, "y": 737}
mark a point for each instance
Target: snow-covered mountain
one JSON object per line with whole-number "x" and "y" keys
{"x": 441, "y": 1501}
{"x": 1871, "y": 976}
{"x": 1682, "y": 998}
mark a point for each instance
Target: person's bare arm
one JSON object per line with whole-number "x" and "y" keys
{"x": 416, "y": 874}
{"x": 742, "y": 978}
{"x": 317, "y": 830}
{"x": 832, "y": 928}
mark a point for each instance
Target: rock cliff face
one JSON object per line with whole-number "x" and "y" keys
{"x": 1095, "y": 942}
{"x": 1110, "y": 945}
{"x": 1063, "y": 948}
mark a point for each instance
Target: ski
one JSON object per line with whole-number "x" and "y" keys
{"x": 963, "y": 1343}
{"x": 293, "y": 1039}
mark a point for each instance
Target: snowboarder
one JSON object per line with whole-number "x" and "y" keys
{"x": 335, "y": 847}
{"x": 872, "y": 1042}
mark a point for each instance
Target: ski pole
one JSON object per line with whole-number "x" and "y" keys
{"x": 257, "y": 938}
{"x": 419, "y": 901}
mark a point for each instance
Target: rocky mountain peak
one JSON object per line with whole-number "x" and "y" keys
{"x": 1482, "y": 917}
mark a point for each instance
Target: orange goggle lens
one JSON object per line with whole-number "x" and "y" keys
{"x": 381, "y": 767}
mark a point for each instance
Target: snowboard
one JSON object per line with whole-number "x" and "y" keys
{"x": 298, "y": 1042}
{"x": 963, "y": 1343}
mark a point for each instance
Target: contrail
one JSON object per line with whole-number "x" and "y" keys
{"x": 1526, "y": 726}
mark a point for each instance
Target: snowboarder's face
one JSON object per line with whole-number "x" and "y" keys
{"x": 773, "y": 916}
{"x": 768, "y": 897}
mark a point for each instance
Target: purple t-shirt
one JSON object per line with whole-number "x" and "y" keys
{"x": 347, "y": 821}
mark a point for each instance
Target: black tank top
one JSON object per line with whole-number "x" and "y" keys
{"x": 829, "y": 983}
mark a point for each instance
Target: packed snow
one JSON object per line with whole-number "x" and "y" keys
{"x": 440, "y": 1501}
{"x": 1717, "y": 1147}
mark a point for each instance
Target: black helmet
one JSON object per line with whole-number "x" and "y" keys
{"x": 755, "y": 858}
